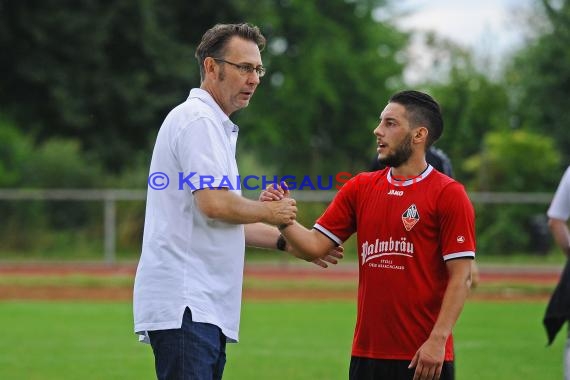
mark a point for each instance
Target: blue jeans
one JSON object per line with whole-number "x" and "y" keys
{"x": 196, "y": 351}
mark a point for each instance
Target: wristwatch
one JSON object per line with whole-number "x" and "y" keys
{"x": 281, "y": 243}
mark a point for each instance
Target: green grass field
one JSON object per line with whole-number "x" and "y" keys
{"x": 279, "y": 340}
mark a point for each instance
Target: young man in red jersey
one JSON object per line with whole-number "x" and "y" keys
{"x": 416, "y": 241}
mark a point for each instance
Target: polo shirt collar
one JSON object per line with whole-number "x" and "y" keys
{"x": 205, "y": 96}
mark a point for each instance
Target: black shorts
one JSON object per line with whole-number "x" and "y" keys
{"x": 384, "y": 369}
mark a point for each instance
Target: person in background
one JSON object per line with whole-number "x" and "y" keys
{"x": 559, "y": 212}
{"x": 416, "y": 239}
{"x": 187, "y": 291}
{"x": 558, "y": 310}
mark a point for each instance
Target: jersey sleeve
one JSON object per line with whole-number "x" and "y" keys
{"x": 338, "y": 221}
{"x": 457, "y": 221}
{"x": 560, "y": 206}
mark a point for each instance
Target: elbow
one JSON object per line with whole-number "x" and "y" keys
{"x": 212, "y": 210}
{"x": 554, "y": 224}
{"x": 308, "y": 253}
{"x": 313, "y": 255}
{"x": 469, "y": 283}
{"x": 316, "y": 252}
{"x": 463, "y": 282}
{"x": 307, "y": 244}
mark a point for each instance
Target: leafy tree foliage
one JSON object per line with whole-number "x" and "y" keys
{"x": 513, "y": 161}
{"x": 106, "y": 74}
{"x": 55, "y": 163}
{"x": 332, "y": 68}
{"x": 103, "y": 73}
{"x": 472, "y": 103}
{"x": 489, "y": 151}
{"x": 540, "y": 74}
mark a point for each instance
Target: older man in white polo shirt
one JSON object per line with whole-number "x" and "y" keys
{"x": 187, "y": 293}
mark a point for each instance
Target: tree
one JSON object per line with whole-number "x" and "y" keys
{"x": 107, "y": 74}
{"x": 472, "y": 103}
{"x": 513, "y": 161}
{"x": 55, "y": 163}
{"x": 332, "y": 68}
{"x": 102, "y": 73}
{"x": 540, "y": 75}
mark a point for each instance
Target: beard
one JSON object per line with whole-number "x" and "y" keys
{"x": 400, "y": 156}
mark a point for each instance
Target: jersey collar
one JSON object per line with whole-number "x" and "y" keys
{"x": 411, "y": 181}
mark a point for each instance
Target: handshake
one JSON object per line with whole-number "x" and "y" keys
{"x": 282, "y": 209}
{"x": 282, "y": 212}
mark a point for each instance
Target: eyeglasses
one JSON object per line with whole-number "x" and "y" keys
{"x": 245, "y": 68}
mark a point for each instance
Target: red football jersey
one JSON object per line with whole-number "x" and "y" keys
{"x": 406, "y": 231}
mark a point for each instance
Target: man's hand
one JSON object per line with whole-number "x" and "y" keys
{"x": 281, "y": 212}
{"x": 428, "y": 360}
{"x": 272, "y": 193}
{"x": 276, "y": 193}
{"x": 222, "y": 204}
{"x": 279, "y": 193}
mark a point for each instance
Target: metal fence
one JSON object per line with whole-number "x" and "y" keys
{"x": 110, "y": 197}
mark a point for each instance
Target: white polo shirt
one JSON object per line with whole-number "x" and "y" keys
{"x": 560, "y": 206}
{"x": 187, "y": 258}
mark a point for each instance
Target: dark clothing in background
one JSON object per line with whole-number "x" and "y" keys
{"x": 558, "y": 309}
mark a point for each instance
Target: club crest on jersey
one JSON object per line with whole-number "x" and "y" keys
{"x": 410, "y": 217}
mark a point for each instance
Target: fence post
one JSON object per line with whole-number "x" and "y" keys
{"x": 110, "y": 220}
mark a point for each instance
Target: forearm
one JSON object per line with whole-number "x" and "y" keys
{"x": 306, "y": 244}
{"x": 232, "y": 208}
{"x": 453, "y": 300}
{"x": 561, "y": 234}
{"x": 261, "y": 235}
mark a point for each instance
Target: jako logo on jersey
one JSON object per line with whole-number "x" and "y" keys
{"x": 386, "y": 248}
{"x": 461, "y": 239}
{"x": 410, "y": 217}
{"x": 396, "y": 192}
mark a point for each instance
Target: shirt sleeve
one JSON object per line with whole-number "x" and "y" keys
{"x": 457, "y": 218}
{"x": 560, "y": 206}
{"x": 201, "y": 149}
{"x": 338, "y": 221}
